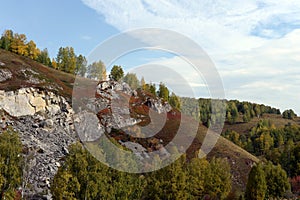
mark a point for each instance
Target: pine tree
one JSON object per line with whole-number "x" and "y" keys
{"x": 66, "y": 59}
{"x": 256, "y": 185}
{"x": 163, "y": 92}
{"x": 81, "y": 63}
{"x": 43, "y": 57}
{"x": 6, "y": 40}
{"x": 277, "y": 180}
{"x": 116, "y": 73}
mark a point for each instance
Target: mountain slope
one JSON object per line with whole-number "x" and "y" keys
{"x": 17, "y": 72}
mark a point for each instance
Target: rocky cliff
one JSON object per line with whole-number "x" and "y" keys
{"x": 44, "y": 121}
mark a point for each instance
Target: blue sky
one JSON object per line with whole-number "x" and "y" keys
{"x": 56, "y": 23}
{"x": 255, "y": 44}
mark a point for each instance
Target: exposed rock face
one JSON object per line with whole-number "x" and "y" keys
{"x": 5, "y": 74}
{"x": 88, "y": 127}
{"x": 46, "y": 129}
{"x": 28, "y": 101}
{"x": 113, "y": 108}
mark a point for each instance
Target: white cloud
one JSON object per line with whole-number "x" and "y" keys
{"x": 251, "y": 42}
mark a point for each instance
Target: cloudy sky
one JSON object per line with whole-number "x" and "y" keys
{"x": 255, "y": 45}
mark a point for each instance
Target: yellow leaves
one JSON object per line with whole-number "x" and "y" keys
{"x": 19, "y": 45}
{"x": 54, "y": 63}
{"x": 33, "y": 51}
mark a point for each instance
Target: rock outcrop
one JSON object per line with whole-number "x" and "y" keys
{"x": 5, "y": 74}
{"x": 44, "y": 121}
{"x": 29, "y": 101}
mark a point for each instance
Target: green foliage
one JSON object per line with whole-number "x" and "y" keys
{"x": 170, "y": 182}
{"x": 267, "y": 181}
{"x": 277, "y": 181}
{"x": 232, "y": 112}
{"x": 81, "y": 63}
{"x": 84, "y": 177}
{"x": 66, "y": 59}
{"x": 10, "y": 163}
{"x": 116, "y": 73}
{"x": 6, "y": 40}
{"x": 197, "y": 170}
{"x": 256, "y": 185}
{"x": 163, "y": 92}
{"x": 174, "y": 101}
{"x": 289, "y": 114}
{"x": 43, "y": 58}
{"x": 279, "y": 145}
{"x": 132, "y": 80}
{"x": 150, "y": 88}
{"x": 97, "y": 70}
{"x": 218, "y": 180}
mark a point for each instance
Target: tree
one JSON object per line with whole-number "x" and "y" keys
{"x": 170, "y": 182}
{"x": 218, "y": 180}
{"x": 66, "y": 186}
{"x": 289, "y": 114}
{"x": 143, "y": 83}
{"x": 150, "y": 88}
{"x": 246, "y": 116}
{"x": 197, "y": 176}
{"x": 256, "y": 185}
{"x": 81, "y": 63}
{"x": 10, "y": 163}
{"x": 43, "y": 57}
{"x": 257, "y": 110}
{"x": 66, "y": 59}
{"x": 163, "y": 92}
{"x": 18, "y": 44}
{"x": 97, "y": 70}
{"x": 33, "y": 51}
{"x": 6, "y": 40}
{"x": 174, "y": 101}
{"x": 53, "y": 63}
{"x": 277, "y": 181}
{"x": 131, "y": 80}
{"x": 232, "y": 112}
{"x": 116, "y": 73}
